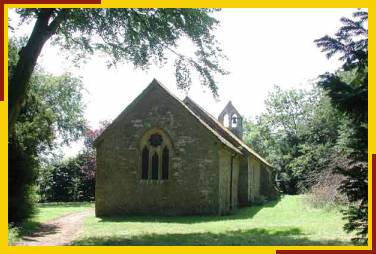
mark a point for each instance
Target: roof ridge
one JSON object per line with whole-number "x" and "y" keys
{"x": 151, "y": 84}
{"x": 228, "y": 132}
{"x": 155, "y": 82}
{"x": 229, "y": 104}
{"x": 222, "y": 139}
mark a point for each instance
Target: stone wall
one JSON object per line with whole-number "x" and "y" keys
{"x": 254, "y": 174}
{"x": 265, "y": 181}
{"x": 255, "y": 181}
{"x": 192, "y": 187}
{"x": 228, "y": 202}
{"x": 235, "y": 182}
{"x": 266, "y": 178}
{"x": 244, "y": 182}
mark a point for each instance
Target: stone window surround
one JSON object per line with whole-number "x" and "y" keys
{"x": 159, "y": 150}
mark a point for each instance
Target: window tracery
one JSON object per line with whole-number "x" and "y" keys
{"x": 155, "y": 155}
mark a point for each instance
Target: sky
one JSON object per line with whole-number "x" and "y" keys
{"x": 265, "y": 47}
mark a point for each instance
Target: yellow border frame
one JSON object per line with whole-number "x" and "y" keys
{"x": 4, "y": 248}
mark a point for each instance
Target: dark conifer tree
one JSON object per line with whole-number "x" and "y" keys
{"x": 350, "y": 96}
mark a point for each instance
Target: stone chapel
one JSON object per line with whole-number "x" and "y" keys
{"x": 164, "y": 156}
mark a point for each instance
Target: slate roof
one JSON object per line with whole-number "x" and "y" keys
{"x": 222, "y": 130}
{"x": 225, "y": 136}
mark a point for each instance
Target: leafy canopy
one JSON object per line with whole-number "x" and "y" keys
{"x": 51, "y": 114}
{"x": 295, "y": 133}
{"x": 141, "y": 37}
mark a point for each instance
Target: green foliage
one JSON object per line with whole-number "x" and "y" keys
{"x": 296, "y": 134}
{"x": 21, "y": 176}
{"x": 64, "y": 181}
{"x": 52, "y": 111}
{"x": 257, "y": 134}
{"x": 348, "y": 90}
{"x": 71, "y": 179}
{"x": 317, "y": 140}
{"x": 12, "y": 55}
{"x": 141, "y": 37}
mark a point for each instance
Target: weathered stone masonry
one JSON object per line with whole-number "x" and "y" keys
{"x": 161, "y": 156}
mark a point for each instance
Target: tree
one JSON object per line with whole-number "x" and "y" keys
{"x": 348, "y": 90}
{"x": 88, "y": 162}
{"x": 296, "y": 134}
{"x": 71, "y": 179}
{"x": 51, "y": 114}
{"x": 138, "y": 36}
{"x": 280, "y": 132}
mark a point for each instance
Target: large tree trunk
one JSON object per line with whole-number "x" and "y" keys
{"x": 29, "y": 54}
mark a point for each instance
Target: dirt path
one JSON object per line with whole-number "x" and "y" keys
{"x": 60, "y": 231}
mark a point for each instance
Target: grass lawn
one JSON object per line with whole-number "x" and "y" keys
{"x": 289, "y": 221}
{"x": 46, "y": 212}
{"x": 50, "y": 211}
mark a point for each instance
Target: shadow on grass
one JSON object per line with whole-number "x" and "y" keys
{"x": 252, "y": 237}
{"x": 28, "y": 230}
{"x": 40, "y": 231}
{"x": 240, "y": 213}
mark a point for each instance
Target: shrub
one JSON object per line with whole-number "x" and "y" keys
{"x": 325, "y": 192}
{"x": 66, "y": 181}
{"x": 21, "y": 188}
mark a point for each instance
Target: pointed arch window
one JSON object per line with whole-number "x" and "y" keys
{"x": 234, "y": 120}
{"x": 154, "y": 166}
{"x": 155, "y": 156}
{"x": 145, "y": 163}
{"x": 165, "y": 163}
